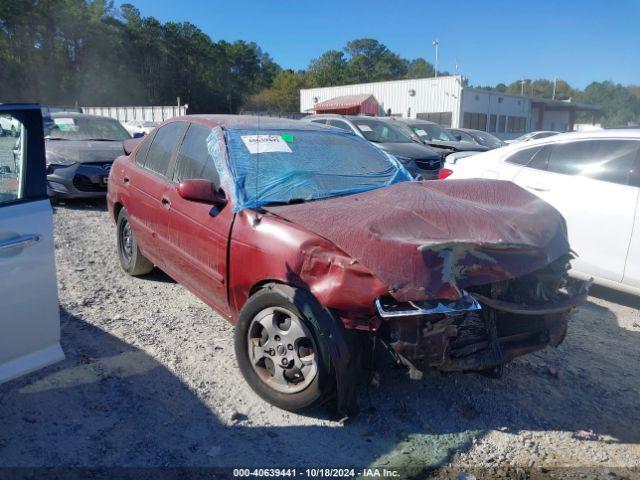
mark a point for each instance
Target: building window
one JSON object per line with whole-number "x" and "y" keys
{"x": 492, "y": 122}
{"x": 502, "y": 121}
{"x": 477, "y": 121}
{"x": 516, "y": 124}
{"x": 441, "y": 118}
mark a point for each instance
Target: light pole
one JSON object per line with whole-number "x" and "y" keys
{"x": 436, "y": 42}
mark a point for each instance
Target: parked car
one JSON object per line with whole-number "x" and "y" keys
{"x": 593, "y": 179}
{"x": 80, "y": 150}
{"x": 29, "y": 315}
{"x": 421, "y": 161}
{"x": 309, "y": 239}
{"x": 9, "y": 126}
{"x": 437, "y": 138}
{"x": 139, "y": 127}
{"x": 477, "y": 137}
{"x": 532, "y": 136}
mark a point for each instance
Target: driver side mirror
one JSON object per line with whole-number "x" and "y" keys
{"x": 201, "y": 190}
{"x": 457, "y": 137}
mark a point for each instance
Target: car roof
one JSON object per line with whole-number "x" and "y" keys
{"x": 472, "y": 130}
{"x": 242, "y": 122}
{"x": 633, "y": 133}
{"x": 416, "y": 121}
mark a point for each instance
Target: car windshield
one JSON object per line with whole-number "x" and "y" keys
{"x": 271, "y": 167}
{"x": 488, "y": 140}
{"x": 432, "y": 131}
{"x": 84, "y": 128}
{"x": 380, "y": 131}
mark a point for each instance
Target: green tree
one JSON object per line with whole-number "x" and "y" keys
{"x": 420, "y": 68}
{"x": 327, "y": 70}
{"x": 619, "y": 105}
{"x": 283, "y": 95}
{"x": 371, "y": 61}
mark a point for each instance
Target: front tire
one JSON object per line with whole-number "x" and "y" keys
{"x": 131, "y": 258}
{"x": 279, "y": 350}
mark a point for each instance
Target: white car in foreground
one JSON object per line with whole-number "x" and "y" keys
{"x": 29, "y": 315}
{"x": 593, "y": 179}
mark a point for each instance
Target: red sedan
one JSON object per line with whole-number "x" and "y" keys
{"x": 316, "y": 243}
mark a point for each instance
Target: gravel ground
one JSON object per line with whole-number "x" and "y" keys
{"x": 150, "y": 379}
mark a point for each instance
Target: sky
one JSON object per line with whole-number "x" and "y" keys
{"x": 492, "y": 41}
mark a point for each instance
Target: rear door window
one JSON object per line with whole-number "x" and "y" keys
{"x": 606, "y": 160}
{"x": 534, "y": 157}
{"x": 141, "y": 155}
{"x": 522, "y": 157}
{"x": 163, "y": 145}
{"x": 194, "y": 160}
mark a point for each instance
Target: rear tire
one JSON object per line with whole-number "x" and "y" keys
{"x": 131, "y": 258}
{"x": 273, "y": 319}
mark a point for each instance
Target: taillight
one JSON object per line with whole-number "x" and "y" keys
{"x": 444, "y": 173}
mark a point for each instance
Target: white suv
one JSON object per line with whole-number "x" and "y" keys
{"x": 593, "y": 179}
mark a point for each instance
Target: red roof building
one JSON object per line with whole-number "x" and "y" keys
{"x": 365, "y": 104}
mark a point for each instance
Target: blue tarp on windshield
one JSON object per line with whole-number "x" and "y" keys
{"x": 277, "y": 166}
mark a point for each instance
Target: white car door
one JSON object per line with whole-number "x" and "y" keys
{"x": 29, "y": 316}
{"x": 632, "y": 267}
{"x": 588, "y": 182}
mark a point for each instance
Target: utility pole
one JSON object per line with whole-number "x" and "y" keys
{"x": 523, "y": 81}
{"x": 436, "y": 43}
{"x": 555, "y": 84}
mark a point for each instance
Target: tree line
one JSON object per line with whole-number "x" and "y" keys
{"x": 87, "y": 52}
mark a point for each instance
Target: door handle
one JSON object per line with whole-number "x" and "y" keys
{"x": 166, "y": 203}
{"x": 22, "y": 241}
{"x": 538, "y": 188}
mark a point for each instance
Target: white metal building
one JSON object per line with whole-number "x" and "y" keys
{"x": 446, "y": 101}
{"x": 150, "y": 113}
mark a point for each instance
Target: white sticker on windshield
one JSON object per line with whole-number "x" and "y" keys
{"x": 265, "y": 144}
{"x": 64, "y": 121}
{"x": 365, "y": 128}
{"x": 421, "y": 133}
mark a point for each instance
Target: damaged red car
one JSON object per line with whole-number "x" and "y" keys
{"x": 314, "y": 242}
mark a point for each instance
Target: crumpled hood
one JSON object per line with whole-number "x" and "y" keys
{"x": 83, "y": 151}
{"x": 428, "y": 240}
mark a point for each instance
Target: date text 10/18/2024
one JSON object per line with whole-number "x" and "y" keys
{"x": 316, "y": 472}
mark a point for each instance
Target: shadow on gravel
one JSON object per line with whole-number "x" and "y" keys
{"x": 157, "y": 275}
{"x": 626, "y": 299}
{"x": 110, "y": 404}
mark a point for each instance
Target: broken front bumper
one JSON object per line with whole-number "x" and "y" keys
{"x": 476, "y": 332}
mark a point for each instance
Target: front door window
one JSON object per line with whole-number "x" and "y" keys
{"x": 11, "y": 159}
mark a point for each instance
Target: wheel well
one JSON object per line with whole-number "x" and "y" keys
{"x": 261, "y": 284}
{"x": 116, "y": 210}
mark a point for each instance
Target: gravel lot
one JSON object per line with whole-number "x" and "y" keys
{"x": 150, "y": 379}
